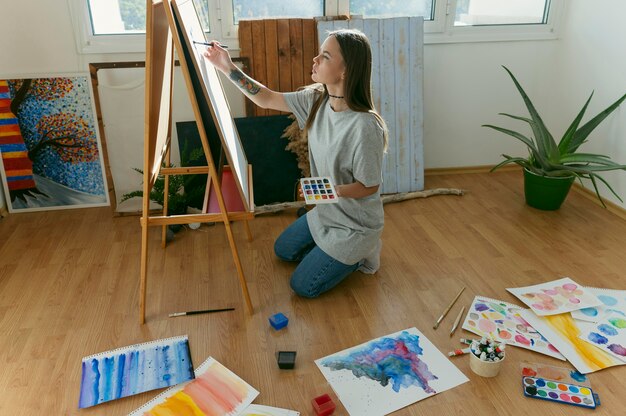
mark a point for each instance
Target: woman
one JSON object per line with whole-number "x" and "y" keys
{"x": 346, "y": 139}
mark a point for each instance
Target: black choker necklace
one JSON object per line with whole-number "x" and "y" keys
{"x": 334, "y": 96}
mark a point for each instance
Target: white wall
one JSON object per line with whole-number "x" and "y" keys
{"x": 464, "y": 85}
{"x": 592, "y": 57}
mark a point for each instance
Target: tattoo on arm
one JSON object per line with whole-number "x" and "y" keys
{"x": 244, "y": 82}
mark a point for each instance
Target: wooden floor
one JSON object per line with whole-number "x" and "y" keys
{"x": 69, "y": 283}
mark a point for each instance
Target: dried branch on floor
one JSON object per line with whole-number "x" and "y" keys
{"x": 402, "y": 196}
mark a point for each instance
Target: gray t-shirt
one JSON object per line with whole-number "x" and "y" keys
{"x": 346, "y": 146}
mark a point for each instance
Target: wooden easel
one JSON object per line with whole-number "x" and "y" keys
{"x": 162, "y": 33}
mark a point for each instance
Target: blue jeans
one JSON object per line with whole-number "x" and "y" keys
{"x": 317, "y": 272}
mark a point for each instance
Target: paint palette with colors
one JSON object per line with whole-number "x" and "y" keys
{"x": 318, "y": 190}
{"x": 540, "y": 388}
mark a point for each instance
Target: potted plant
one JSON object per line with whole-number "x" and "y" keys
{"x": 550, "y": 168}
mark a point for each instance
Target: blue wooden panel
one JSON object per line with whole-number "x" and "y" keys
{"x": 416, "y": 68}
{"x": 370, "y": 28}
{"x": 397, "y": 89}
{"x": 388, "y": 103}
{"x": 402, "y": 114}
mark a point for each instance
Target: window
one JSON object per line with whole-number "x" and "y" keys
{"x": 117, "y": 17}
{"x": 500, "y": 12}
{"x": 119, "y": 25}
{"x": 392, "y": 8}
{"x": 243, "y": 9}
{"x": 471, "y": 20}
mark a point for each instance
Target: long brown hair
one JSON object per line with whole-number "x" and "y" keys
{"x": 357, "y": 56}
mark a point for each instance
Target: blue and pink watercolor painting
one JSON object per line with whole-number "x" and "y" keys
{"x": 388, "y": 373}
{"x": 388, "y": 360}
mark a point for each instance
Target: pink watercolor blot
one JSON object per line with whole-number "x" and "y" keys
{"x": 544, "y": 297}
{"x": 486, "y": 326}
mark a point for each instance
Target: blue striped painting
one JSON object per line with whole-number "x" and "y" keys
{"x": 135, "y": 369}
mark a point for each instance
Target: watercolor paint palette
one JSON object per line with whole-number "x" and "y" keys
{"x": 554, "y": 391}
{"x": 318, "y": 190}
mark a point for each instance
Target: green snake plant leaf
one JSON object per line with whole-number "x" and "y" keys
{"x": 508, "y": 159}
{"x": 582, "y": 133}
{"x": 588, "y": 169}
{"x": 593, "y": 177}
{"x": 526, "y": 119}
{"x": 545, "y": 142}
{"x": 589, "y": 158}
{"x": 528, "y": 142}
{"x": 571, "y": 130}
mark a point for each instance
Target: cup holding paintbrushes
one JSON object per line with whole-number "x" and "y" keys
{"x": 486, "y": 357}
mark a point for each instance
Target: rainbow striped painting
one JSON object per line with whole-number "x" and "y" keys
{"x": 134, "y": 369}
{"x": 50, "y": 152}
{"x": 389, "y": 373}
{"x": 216, "y": 391}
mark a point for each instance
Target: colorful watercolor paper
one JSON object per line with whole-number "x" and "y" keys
{"x": 389, "y": 373}
{"x": 555, "y": 297}
{"x": 216, "y": 391}
{"x": 135, "y": 369}
{"x": 564, "y": 332}
{"x": 613, "y": 301}
{"x": 608, "y": 335}
{"x": 551, "y": 372}
{"x": 502, "y": 321}
{"x": 259, "y": 410}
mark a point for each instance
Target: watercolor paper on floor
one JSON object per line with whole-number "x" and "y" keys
{"x": 502, "y": 321}
{"x": 613, "y": 301}
{"x": 134, "y": 369}
{"x": 555, "y": 297}
{"x": 216, "y": 391}
{"x": 389, "y": 373}
{"x": 609, "y": 335}
{"x": 260, "y": 410}
{"x": 564, "y": 332}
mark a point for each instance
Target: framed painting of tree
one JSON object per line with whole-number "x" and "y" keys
{"x": 50, "y": 151}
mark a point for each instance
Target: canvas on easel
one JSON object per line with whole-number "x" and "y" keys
{"x": 231, "y": 188}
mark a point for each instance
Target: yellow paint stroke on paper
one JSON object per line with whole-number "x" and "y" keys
{"x": 179, "y": 404}
{"x": 215, "y": 392}
{"x": 594, "y": 357}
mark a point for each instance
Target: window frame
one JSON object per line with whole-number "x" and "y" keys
{"x": 495, "y": 33}
{"x": 439, "y": 30}
{"x": 87, "y": 42}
